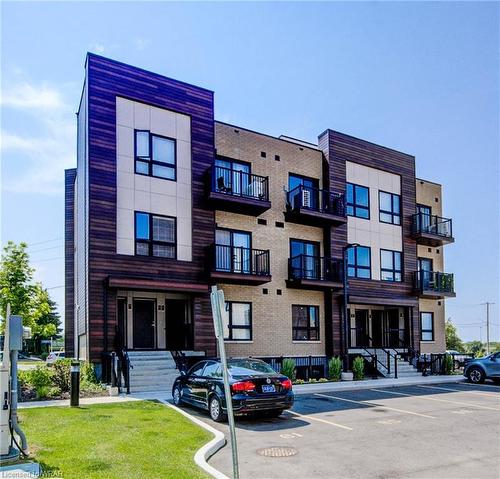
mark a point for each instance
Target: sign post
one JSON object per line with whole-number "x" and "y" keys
{"x": 219, "y": 315}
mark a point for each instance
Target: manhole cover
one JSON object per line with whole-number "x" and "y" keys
{"x": 277, "y": 451}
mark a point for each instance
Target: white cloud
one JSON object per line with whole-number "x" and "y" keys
{"x": 35, "y": 154}
{"x": 26, "y": 96}
{"x": 97, "y": 48}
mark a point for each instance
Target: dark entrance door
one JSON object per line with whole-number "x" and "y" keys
{"x": 362, "y": 328}
{"x": 144, "y": 323}
{"x": 377, "y": 328}
{"x": 178, "y": 325}
{"x": 394, "y": 332}
{"x": 121, "y": 316}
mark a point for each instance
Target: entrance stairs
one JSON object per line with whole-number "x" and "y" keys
{"x": 152, "y": 371}
{"x": 405, "y": 369}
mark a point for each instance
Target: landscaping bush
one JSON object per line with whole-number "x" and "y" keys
{"x": 62, "y": 374}
{"x": 335, "y": 369}
{"x": 448, "y": 364}
{"x": 38, "y": 379}
{"x": 358, "y": 368}
{"x": 87, "y": 373}
{"x": 288, "y": 369}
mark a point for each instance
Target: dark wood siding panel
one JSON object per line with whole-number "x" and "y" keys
{"x": 69, "y": 261}
{"x": 108, "y": 79}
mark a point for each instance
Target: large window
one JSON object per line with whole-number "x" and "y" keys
{"x": 358, "y": 262}
{"x": 239, "y": 327}
{"x": 389, "y": 208}
{"x": 155, "y": 155}
{"x": 427, "y": 326}
{"x": 155, "y": 235}
{"x": 390, "y": 265}
{"x": 303, "y": 191}
{"x": 357, "y": 201}
{"x": 305, "y": 323}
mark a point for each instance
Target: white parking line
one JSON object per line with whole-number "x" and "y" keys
{"x": 312, "y": 418}
{"x": 461, "y": 391}
{"x": 460, "y": 403}
{"x": 370, "y": 403}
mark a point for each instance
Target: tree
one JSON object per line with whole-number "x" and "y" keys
{"x": 453, "y": 341}
{"x": 476, "y": 348}
{"x": 46, "y": 320}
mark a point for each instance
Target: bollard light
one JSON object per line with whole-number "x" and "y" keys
{"x": 75, "y": 383}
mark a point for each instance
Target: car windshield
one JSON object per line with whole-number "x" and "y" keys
{"x": 249, "y": 367}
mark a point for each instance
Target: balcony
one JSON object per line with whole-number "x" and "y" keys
{"x": 315, "y": 207}
{"x": 314, "y": 272}
{"x": 238, "y": 265}
{"x": 432, "y": 230}
{"x": 434, "y": 285}
{"x": 238, "y": 191}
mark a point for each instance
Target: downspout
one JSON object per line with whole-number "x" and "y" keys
{"x": 105, "y": 315}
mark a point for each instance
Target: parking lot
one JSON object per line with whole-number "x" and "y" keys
{"x": 443, "y": 430}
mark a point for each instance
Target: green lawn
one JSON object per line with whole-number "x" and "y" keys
{"x": 139, "y": 439}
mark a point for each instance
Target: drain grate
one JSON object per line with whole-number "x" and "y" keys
{"x": 277, "y": 451}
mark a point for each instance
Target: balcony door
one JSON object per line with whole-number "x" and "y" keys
{"x": 232, "y": 177}
{"x": 233, "y": 251}
{"x": 425, "y": 272}
{"x": 305, "y": 259}
{"x": 424, "y": 217}
{"x": 304, "y": 191}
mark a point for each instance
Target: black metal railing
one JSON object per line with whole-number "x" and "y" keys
{"x": 391, "y": 339}
{"x": 315, "y": 199}
{"x": 240, "y": 183}
{"x": 434, "y": 281}
{"x": 318, "y": 268}
{"x": 237, "y": 259}
{"x": 432, "y": 224}
{"x": 306, "y": 367}
{"x": 116, "y": 370}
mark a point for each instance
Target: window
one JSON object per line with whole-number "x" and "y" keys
{"x": 212, "y": 370}
{"x": 303, "y": 191}
{"x": 424, "y": 217}
{"x": 155, "y": 235}
{"x": 233, "y": 177}
{"x": 390, "y": 265}
{"x": 427, "y": 326}
{"x": 357, "y": 201}
{"x": 155, "y": 155}
{"x": 240, "y": 321}
{"x": 197, "y": 369}
{"x": 304, "y": 259}
{"x": 389, "y": 208}
{"x": 359, "y": 262}
{"x": 305, "y": 323}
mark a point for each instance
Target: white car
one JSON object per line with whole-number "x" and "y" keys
{"x": 54, "y": 356}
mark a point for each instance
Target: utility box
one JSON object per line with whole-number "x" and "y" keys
{"x": 16, "y": 333}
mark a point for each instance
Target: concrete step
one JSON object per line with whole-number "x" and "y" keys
{"x": 151, "y": 388}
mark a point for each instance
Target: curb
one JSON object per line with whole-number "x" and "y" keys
{"x": 359, "y": 386}
{"x": 209, "y": 449}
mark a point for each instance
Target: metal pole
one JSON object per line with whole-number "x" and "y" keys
{"x": 345, "y": 344}
{"x": 218, "y": 305}
{"x": 487, "y": 326}
{"x": 75, "y": 384}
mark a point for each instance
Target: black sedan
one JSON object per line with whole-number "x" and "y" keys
{"x": 255, "y": 387}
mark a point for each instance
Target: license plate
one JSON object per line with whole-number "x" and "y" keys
{"x": 268, "y": 388}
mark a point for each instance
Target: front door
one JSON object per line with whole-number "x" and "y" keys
{"x": 362, "y": 328}
{"x": 377, "y": 328}
{"x": 144, "y": 323}
{"x": 393, "y": 328}
{"x": 178, "y": 325}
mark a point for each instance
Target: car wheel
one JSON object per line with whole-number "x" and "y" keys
{"x": 215, "y": 409}
{"x": 476, "y": 375}
{"x": 177, "y": 395}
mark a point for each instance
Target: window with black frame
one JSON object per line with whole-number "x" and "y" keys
{"x": 155, "y": 235}
{"x": 390, "y": 265}
{"x": 389, "y": 208}
{"x": 357, "y": 201}
{"x": 427, "y": 326}
{"x": 239, "y": 327}
{"x": 359, "y": 262}
{"x": 424, "y": 217}
{"x": 233, "y": 177}
{"x": 155, "y": 155}
{"x": 305, "y": 323}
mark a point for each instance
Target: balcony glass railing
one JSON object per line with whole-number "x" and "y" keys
{"x": 315, "y": 199}
{"x": 317, "y": 268}
{"x": 432, "y": 224}
{"x": 236, "y": 259}
{"x": 240, "y": 183}
{"x": 434, "y": 281}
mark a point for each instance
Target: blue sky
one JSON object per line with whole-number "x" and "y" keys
{"x": 418, "y": 77}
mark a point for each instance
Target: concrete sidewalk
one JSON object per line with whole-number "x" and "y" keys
{"x": 371, "y": 383}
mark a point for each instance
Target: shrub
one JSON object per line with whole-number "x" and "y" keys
{"x": 299, "y": 381}
{"x": 335, "y": 369}
{"x": 62, "y": 374}
{"x": 358, "y": 368}
{"x": 39, "y": 378}
{"x": 87, "y": 373}
{"x": 288, "y": 369}
{"x": 448, "y": 364}
{"x": 322, "y": 380}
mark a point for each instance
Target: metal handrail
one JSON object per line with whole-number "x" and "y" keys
{"x": 316, "y": 199}
{"x": 240, "y": 183}
{"x": 238, "y": 259}
{"x": 304, "y": 266}
{"x": 432, "y": 224}
{"x": 434, "y": 281}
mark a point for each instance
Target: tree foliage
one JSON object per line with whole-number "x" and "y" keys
{"x": 26, "y": 298}
{"x": 453, "y": 341}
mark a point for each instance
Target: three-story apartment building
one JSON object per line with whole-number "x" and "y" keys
{"x": 165, "y": 202}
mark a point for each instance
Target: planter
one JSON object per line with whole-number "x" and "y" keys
{"x": 348, "y": 376}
